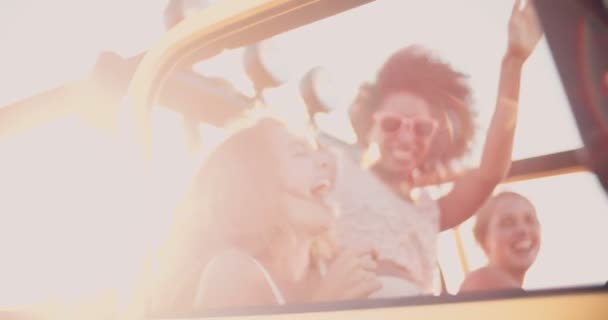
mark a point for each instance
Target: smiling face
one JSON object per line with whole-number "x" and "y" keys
{"x": 403, "y": 128}
{"x": 306, "y": 175}
{"x": 513, "y": 234}
{"x": 263, "y": 185}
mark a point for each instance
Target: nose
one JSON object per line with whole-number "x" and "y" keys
{"x": 406, "y": 134}
{"x": 522, "y": 229}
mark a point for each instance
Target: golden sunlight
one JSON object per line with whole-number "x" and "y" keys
{"x": 82, "y": 212}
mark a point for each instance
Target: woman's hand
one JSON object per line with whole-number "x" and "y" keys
{"x": 351, "y": 275}
{"x": 524, "y": 30}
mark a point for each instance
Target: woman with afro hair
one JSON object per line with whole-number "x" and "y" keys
{"x": 417, "y": 118}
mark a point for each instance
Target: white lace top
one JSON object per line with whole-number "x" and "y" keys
{"x": 402, "y": 232}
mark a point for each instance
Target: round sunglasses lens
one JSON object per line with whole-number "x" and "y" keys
{"x": 390, "y": 124}
{"x": 423, "y": 128}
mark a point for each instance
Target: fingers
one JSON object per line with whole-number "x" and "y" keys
{"x": 525, "y": 7}
{"x": 368, "y": 263}
{"x": 323, "y": 248}
{"x": 530, "y": 12}
{"x": 528, "y": 9}
{"x": 364, "y": 276}
{"x": 523, "y": 4}
{"x": 531, "y": 17}
{"x": 366, "y": 284}
{"x": 355, "y": 254}
{"x": 517, "y": 5}
{"x": 352, "y": 275}
{"x": 366, "y": 251}
{"x": 370, "y": 287}
{"x": 358, "y": 252}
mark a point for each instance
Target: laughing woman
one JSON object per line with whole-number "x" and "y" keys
{"x": 417, "y": 118}
{"x": 507, "y": 230}
{"x": 264, "y": 191}
{"x": 258, "y": 233}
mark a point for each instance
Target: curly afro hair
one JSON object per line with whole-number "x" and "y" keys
{"x": 415, "y": 70}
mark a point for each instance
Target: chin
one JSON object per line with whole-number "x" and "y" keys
{"x": 520, "y": 266}
{"x": 396, "y": 170}
{"x": 320, "y": 226}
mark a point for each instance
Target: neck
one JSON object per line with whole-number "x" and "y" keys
{"x": 400, "y": 183}
{"x": 290, "y": 258}
{"x": 518, "y": 276}
{"x": 515, "y": 274}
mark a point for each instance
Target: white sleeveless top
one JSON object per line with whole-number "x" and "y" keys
{"x": 276, "y": 292}
{"x": 402, "y": 232}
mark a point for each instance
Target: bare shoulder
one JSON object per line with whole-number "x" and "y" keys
{"x": 487, "y": 278}
{"x": 232, "y": 280}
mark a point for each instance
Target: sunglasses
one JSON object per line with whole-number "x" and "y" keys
{"x": 392, "y": 123}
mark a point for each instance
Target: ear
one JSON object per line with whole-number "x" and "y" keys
{"x": 485, "y": 246}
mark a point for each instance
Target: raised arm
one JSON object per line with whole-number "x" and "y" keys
{"x": 473, "y": 188}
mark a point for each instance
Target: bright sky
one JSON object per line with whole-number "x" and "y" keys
{"x": 59, "y": 241}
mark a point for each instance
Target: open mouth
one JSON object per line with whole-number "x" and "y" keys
{"x": 403, "y": 154}
{"x": 524, "y": 246}
{"x": 320, "y": 193}
{"x": 321, "y": 189}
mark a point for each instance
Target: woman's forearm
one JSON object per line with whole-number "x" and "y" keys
{"x": 496, "y": 158}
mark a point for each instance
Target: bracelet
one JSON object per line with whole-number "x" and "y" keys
{"x": 511, "y": 117}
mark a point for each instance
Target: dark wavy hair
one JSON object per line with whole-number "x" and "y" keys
{"x": 415, "y": 70}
